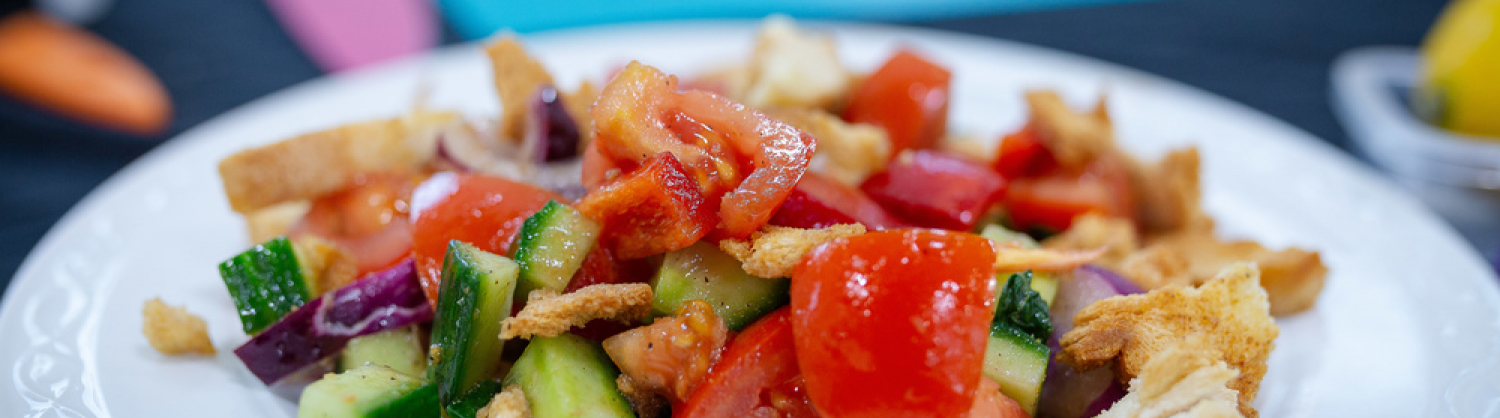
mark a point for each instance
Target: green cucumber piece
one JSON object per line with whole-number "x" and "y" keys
{"x": 476, "y": 293}
{"x": 400, "y": 349}
{"x": 369, "y": 392}
{"x": 468, "y": 405}
{"x": 1001, "y": 235}
{"x": 702, "y": 271}
{"x": 1018, "y": 362}
{"x": 266, "y": 282}
{"x": 568, "y": 376}
{"x": 551, "y": 246}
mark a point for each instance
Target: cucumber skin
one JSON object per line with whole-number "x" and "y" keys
{"x": 1016, "y": 361}
{"x": 423, "y": 403}
{"x": 542, "y": 265}
{"x": 468, "y": 405}
{"x": 382, "y": 393}
{"x": 702, "y": 271}
{"x": 266, "y": 282}
{"x": 476, "y": 293}
{"x": 557, "y": 375}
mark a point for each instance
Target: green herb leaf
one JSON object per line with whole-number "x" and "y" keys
{"x": 1023, "y": 308}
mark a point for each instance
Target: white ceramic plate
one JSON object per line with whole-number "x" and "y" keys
{"x": 1407, "y": 325}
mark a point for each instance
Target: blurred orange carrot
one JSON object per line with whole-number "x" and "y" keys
{"x": 79, "y": 75}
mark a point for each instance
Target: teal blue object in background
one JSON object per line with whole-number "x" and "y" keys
{"x": 479, "y": 18}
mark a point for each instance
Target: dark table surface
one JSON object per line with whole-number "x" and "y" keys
{"x": 1273, "y": 55}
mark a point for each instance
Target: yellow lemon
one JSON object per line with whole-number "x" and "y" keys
{"x": 1460, "y": 84}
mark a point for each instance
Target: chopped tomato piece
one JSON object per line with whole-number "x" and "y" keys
{"x": 788, "y": 400}
{"x": 751, "y": 375}
{"x": 937, "y": 190}
{"x": 637, "y": 116}
{"x": 640, "y": 114}
{"x": 908, "y": 96}
{"x": 597, "y": 168}
{"x": 1022, "y": 154}
{"x": 369, "y": 218}
{"x": 1053, "y": 200}
{"x": 602, "y": 267}
{"x": 480, "y": 210}
{"x": 654, "y": 209}
{"x": 894, "y": 323}
{"x": 672, "y": 355}
{"x": 990, "y": 403}
{"x": 819, "y": 202}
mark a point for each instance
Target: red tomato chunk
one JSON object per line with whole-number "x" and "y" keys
{"x": 480, "y": 210}
{"x": 937, "y": 190}
{"x": 651, "y": 210}
{"x": 820, "y": 202}
{"x": 908, "y": 96}
{"x": 894, "y": 323}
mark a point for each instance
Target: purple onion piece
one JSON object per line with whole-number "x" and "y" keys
{"x": 1069, "y": 393}
{"x": 1120, "y": 283}
{"x": 383, "y": 300}
{"x": 550, "y": 131}
{"x": 1106, "y": 399}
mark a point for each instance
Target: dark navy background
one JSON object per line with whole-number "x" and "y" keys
{"x": 213, "y": 55}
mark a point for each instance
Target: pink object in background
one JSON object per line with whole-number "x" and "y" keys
{"x": 344, "y": 34}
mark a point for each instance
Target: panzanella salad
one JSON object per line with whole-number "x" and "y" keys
{"x": 785, "y": 237}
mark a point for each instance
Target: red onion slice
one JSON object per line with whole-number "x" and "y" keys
{"x": 550, "y": 134}
{"x": 1068, "y": 393}
{"x": 383, "y": 300}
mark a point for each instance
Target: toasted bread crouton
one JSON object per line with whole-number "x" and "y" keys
{"x": 1167, "y": 194}
{"x": 774, "y": 251}
{"x": 1293, "y": 278}
{"x": 967, "y": 146}
{"x": 1073, "y": 138}
{"x": 793, "y": 68}
{"x": 275, "y": 220}
{"x": 1184, "y": 381}
{"x": 846, "y": 152}
{"x": 1010, "y": 258}
{"x": 578, "y": 103}
{"x": 314, "y": 164}
{"x": 517, "y": 77}
{"x": 328, "y": 265}
{"x": 509, "y": 403}
{"x": 173, "y": 331}
{"x": 1115, "y": 235}
{"x": 1230, "y": 311}
{"x": 549, "y": 314}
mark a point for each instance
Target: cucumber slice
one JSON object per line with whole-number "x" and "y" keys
{"x": 266, "y": 282}
{"x": 551, "y": 247}
{"x": 400, "y": 349}
{"x": 1000, "y": 235}
{"x": 702, "y": 271}
{"x": 569, "y": 377}
{"x": 468, "y": 405}
{"x": 1016, "y": 361}
{"x": 369, "y": 392}
{"x": 476, "y": 293}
